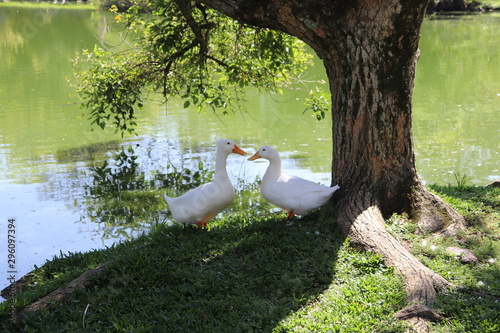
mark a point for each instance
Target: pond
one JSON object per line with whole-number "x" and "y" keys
{"x": 47, "y": 149}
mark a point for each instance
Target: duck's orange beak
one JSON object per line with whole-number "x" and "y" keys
{"x": 237, "y": 150}
{"x": 254, "y": 157}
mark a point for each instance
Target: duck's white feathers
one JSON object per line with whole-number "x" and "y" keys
{"x": 292, "y": 193}
{"x": 204, "y": 202}
{"x": 296, "y": 194}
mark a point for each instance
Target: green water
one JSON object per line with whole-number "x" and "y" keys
{"x": 457, "y": 99}
{"x": 46, "y": 147}
{"x": 36, "y": 121}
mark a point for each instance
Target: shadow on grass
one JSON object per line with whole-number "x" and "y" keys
{"x": 239, "y": 276}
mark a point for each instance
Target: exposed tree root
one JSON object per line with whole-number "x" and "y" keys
{"x": 418, "y": 310}
{"x": 361, "y": 220}
{"x": 434, "y": 215}
{"x": 62, "y": 293}
{"x": 18, "y": 286}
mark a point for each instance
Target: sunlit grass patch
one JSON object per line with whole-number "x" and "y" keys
{"x": 362, "y": 297}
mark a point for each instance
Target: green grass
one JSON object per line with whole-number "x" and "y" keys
{"x": 258, "y": 273}
{"x": 239, "y": 276}
{"x": 491, "y": 3}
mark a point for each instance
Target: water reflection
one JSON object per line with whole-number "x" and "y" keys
{"x": 122, "y": 197}
{"x": 86, "y": 153}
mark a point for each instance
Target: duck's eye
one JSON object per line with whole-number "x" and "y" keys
{"x": 264, "y": 149}
{"x": 229, "y": 143}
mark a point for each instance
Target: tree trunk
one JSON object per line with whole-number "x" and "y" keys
{"x": 371, "y": 69}
{"x": 370, "y": 51}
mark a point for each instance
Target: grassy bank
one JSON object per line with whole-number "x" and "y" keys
{"x": 262, "y": 274}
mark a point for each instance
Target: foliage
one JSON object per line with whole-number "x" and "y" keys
{"x": 119, "y": 195}
{"x": 112, "y": 92}
{"x": 462, "y": 5}
{"x": 462, "y": 180}
{"x": 121, "y": 5}
{"x": 111, "y": 179}
{"x": 122, "y": 197}
{"x": 122, "y": 173}
{"x": 317, "y": 103}
{"x": 195, "y": 53}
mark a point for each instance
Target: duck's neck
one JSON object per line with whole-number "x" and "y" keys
{"x": 273, "y": 170}
{"x": 220, "y": 166}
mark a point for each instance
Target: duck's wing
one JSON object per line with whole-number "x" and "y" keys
{"x": 196, "y": 204}
{"x": 188, "y": 208}
{"x": 299, "y": 194}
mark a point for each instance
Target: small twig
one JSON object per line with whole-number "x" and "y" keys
{"x": 84, "y": 314}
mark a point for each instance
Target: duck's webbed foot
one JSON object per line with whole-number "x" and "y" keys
{"x": 202, "y": 225}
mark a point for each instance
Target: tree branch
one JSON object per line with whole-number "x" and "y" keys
{"x": 200, "y": 38}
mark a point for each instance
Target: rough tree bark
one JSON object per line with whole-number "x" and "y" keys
{"x": 370, "y": 51}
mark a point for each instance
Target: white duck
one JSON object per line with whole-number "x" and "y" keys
{"x": 291, "y": 193}
{"x": 201, "y": 204}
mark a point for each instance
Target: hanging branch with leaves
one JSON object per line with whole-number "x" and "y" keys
{"x": 187, "y": 51}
